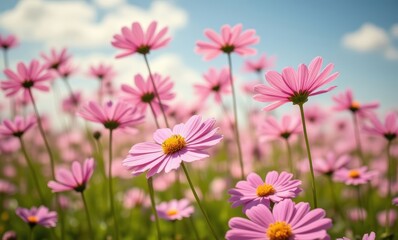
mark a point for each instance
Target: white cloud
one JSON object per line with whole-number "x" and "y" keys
{"x": 76, "y": 23}
{"x": 108, "y": 3}
{"x": 394, "y": 30}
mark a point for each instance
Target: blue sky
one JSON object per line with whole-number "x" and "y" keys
{"x": 294, "y": 31}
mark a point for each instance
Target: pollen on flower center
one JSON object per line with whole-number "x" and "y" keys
{"x": 279, "y": 231}
{"x": 32, "y": 219}
{"x": 265, "y": 190}
{"x": 171, "y": 212}
{"x": 354, "y": 174}
{"x": 355, "y": 106}
{"x": 173, "y": 144}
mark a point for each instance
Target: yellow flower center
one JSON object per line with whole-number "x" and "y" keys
{"x": 265, "y": 190}
{"x": 355, "y": 106}
{"x": 354, "y": 174}
{"x": 171, "y": 212}
{"x": 173, "y": 144}
{"x": 279, "y": 231}
{"x": 32, "y": 219}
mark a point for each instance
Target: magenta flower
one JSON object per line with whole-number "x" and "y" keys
{"x": 356, "y": 176}
{"x": 143, "y": 94}
{"x": 175, "y": 209}
{"x": 272, "y": 130}
{"x": 315, "y": 114}
{"x": 389, "y": 130}
{"x": 254, "y": 191}
{"x": 134, "y": 40}
{"x": 217, "y": 82}
{"x": 6, "y": 187}
{"x": 102, "y": 72}
{"x": 367, "y": 236}
{"x": 38, "y": 216}
{"x": 136, "y": 197}
{"x": 345, "y": 101}
{"x": 185, "y": 142}
{"x": 26, "y": 78}
{"x": 76, "y": 179}
{"x": 71, "y": 103}
{"x": 294, "y": 86}
{"x": 54, "y": 60}
{"x": 259, "y": 65}
{"x": 66, "y": 70}
{"x": 331, "y": 163}
{"x": 287, "y": 220}
{"x": 111, "y": 115}
{"x": 17, "y": 127}
{"x": 7, "y": 42}
{"x": 395, "y": 201}
{"x": 232, "y": 39}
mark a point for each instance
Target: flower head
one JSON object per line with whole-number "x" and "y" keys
{"x": 54, "y": 60}
{"x": 294, "y": 86}
{"x": 71, "y": 103}
{"x": 136, "y": 197}
{"x": 7, "y": 42}
{"x": 331, "y": 163}
{"x": 27, "y": 77}
{"x": 259, "y": 65}
{"x": 102, "y": 72}
{"x": 76, "y": 179}
{"x": 6, "y": 187}
{"x": 367, "y": 236}
{"x": 389, "y": 130}
{"x": 395, "y": 201}
{"x": 232, "y": 39}
{"x": 255, "y": 191}
{"x": 185, "y": 142}
{"x": 111, "y": 115}
{"x": 354, "y": 176}
{"x": 217, "y": 83}
{"x": 37, "y": 216}
{"x": 144, "y": 94}
{"x": 66, "y": 70}
{"x": 135, "y": 40}
{"x": 175, "y": 209}
{"x": 287, "y": 220}
{"x": 345, "y": 102}
{"x": 272, "y": 130}
{"x": 17, "y": 127}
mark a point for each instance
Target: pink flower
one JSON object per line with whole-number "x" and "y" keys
{"x": 395, "y": 201}
{"x": 354, "y": 176}
{"x": 6, "y": 187}
{"x": 102, "y": 72}
{"x": 7, "y": 42}
{"x": 175, "y": 209}
{"x": 76, "y": 179}
{"x": 331, "y": 163}
{"x": 389, "y": 130}
{"x": 259, "y": 65}
{"x": 136, "y": 197}
{"x": 66, "y": 69}
{"x": 367, "y": 236}
{"x": 185, "y": 142}
{"x": 294, "y": 86}
{"x": 232, "y": 39}
{"x": 143, "y": 94}
{"x": 272, "y": 130}
{"x": 71, "y": 103}
{"x": 27, "y": 77}
{"x": 345, "y": 101}
{"x": 287, "y": 220}
{"x": 9, "y": 235}
{"x": 17, "y": 127}
{"x": 315, "y": 114}
{"x": 54, "y": 60}
{"x": 357, "y": 214}
{"x": 111, "y": 115}
{"x": 37, "y": 216}
{"x": 255, "y": 191}
{"x": 216, "y": 82}
{"x": 134, "y": 40}
{"x": 382, "y": 217}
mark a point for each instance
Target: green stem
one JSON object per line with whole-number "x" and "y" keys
{"x": 236, "y": 118}
{"x": 68, "y": 86}
{"x": 334, "y": 197}
{"x": 153, "y": 205}
{"x": 154, "y": 115}
{"x": 389, "y": 181}
{"x": 174, "y": 237}
{"x": 289, "y": 156}
{"x": 309, "y": 155}
{"x": 31, "y": 233}
{"x": 198, "y": 201}
{"x": 88, "y": 216}
{"x": 360, "y": 206}
{"x": 358, "y": 138}
{"x": 32, "y": 169}
{"x": 98, "y": 146}
{"x": 116, "y": 226}
{"x": 194, "y": 228}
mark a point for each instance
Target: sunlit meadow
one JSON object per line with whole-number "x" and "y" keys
{"x": 104, "y": 135}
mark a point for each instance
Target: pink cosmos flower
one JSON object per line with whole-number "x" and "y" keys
{"x": 38, "y": 216}
{"x": 248, "y": 87}
{"x": 395, "y": 201}
{"x": 255, "y": 191}
{"x": 6, "y": 187}
{"x": 382, "y": 218}
{"x": 287, "y": 220}
{"x": 259, "y": 65}
{"x": 54, "y": 60}
{"x": 345, "y": 101}
{"x": 185, "y": 142}
{"x": 66, "y": 70}
{"x": 356, "y": 176}
{"x": 17, "y": 127}
{"x": 294, "y": 86}
{"x": 76, "y": 179}
{"x": 134, "y": 40}
{"x": 7, "y": 42}
{"x": 111, "y": 115}
{"x": 26, "y": 78}
{"x": 143, "y": 94}
{"x": 232, "y": 39}
{"x": 175, "y": 209}
{"x": 389, "y": 130}
{"x": 71, "y": 103}
{"x": 217, "y": 82}
{"x": 136, "y": 197}
{"x": 102, "y": 72}
{"x": 272, "y": 130}
{"x": 315, "y": 114}
{"x": 331, "y": 163}
{"x": 9, "y": 235}
{"x": 357, "y": 214}
{"x": 367, "y": 236}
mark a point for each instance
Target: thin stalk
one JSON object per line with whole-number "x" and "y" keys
{"x": 116, "y": 226}
{"x": 5, "y": 56}
{"x": 32, "y": 169}
{"x": 152, "y": 197}
{"x": 88, "y": 216}
{"x": 289, "y": 156}
{"x": 358, "y": 138}
{"x": 389, "y": 193}
{"x": 154, "y": 115}
{"x": 260, "y": 76}
{"x": 194, "y": 228}
{"x": 309, "y": 155}
{"x": 156, "y": 90}
{"x": 360, "y": 205}
{"x": 68, "y": 86}
{"x": 334, "y": 197}
{"x": 198, "y": 201}
{"x": 174, "y": 237}
{"x": 31, "y": 233}
{"x": 236, "y": 118}
{"x": 99, "y": 151}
